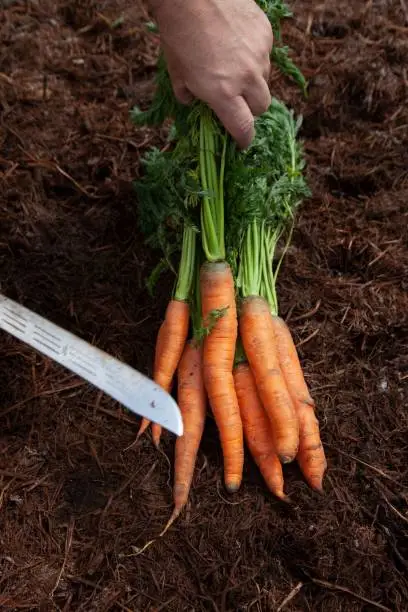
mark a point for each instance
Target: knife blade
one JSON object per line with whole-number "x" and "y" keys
{"x": 129, "y": 387}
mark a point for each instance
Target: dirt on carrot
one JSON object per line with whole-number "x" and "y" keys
{"x": 75, "y": 506}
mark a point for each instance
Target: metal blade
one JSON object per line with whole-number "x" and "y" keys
{"x": 124, "y": 384}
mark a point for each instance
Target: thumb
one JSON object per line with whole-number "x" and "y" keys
{"x": 237, "y": 118}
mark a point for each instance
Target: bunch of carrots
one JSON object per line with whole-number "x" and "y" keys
{"x": 222, "y": 213}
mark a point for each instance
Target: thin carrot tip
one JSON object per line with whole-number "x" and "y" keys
{"x": 232, "y": 487}
{"x": 286, "y": 499}
{"x": 286, "y": 459}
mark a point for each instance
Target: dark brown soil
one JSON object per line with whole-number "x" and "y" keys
{"x": 75, "y": 506}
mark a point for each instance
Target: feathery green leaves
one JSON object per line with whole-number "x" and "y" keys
{"x": 277, "y": 11}
{"x": 264, "y": 186}
{"x": 265, "y": 182}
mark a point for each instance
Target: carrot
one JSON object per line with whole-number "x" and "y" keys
{"x": 171, "y": 343}
{"x": 217, "y": 293}
{"x": 192, "y": 402}
{"x": 169, "y": 348}
{"x": 262, "y": 354}
{"x": 257, "y": 430}
{"x": 311, "y": 457}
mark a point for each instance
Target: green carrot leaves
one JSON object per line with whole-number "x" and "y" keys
{"x": 241, "y": 202}
{"x": 264, "y": 187}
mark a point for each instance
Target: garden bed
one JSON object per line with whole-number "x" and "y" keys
{"x": 75, "y": 505}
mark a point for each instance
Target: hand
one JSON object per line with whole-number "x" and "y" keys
{"x": 218, "y": 51}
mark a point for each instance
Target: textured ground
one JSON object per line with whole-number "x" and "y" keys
{"x": 75, "y": 506}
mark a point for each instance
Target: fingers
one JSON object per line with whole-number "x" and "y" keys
{"x": 237, "y": 114}
{"x": 266, "y": 73}
{"x": 183, "y": 95}
{"x": 237, "y": 118}
{"x": 258, "y": 97}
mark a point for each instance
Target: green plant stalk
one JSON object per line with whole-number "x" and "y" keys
{"x": 269, "y": 272}
{"x": 257, "y": 276}
{"x": 209, "y": 235}
{"x": 212, "y": 181}
{"x": 220, "y": 208}
{"x": 195, "y": 309}
{"x": 250, "y": 269}
{"x": 268, "y": 281}
{"x": 187, "y": 265}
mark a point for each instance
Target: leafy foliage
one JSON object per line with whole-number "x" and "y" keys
{"x": 281, "y": 59}
{"x": 277, "y": 11}
{"x": 168, "y": 194}
{"x": 265, "y": 183}
{"x": 266, "y": 180}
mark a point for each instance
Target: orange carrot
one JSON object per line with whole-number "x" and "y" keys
{"x": 159, "y": 343}
{"x": 257, "y": 430}
{"x": 169, "y": 348}
{"x": 262, "y": 354}
{"x": 217, "y": 293}
{"x": 171, "y": 343}
{"x": 192, "y": 402}
{"x": 311, "y": 457}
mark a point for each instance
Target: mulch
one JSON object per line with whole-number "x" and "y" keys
{"x": 76, "y": 507}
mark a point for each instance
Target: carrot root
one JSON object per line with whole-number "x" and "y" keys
{"x": 192, "y": 403}
{"x": 170, "y": 343}
{"x": 262, "y": 354}
{"x": 311, "y": 456}
{"x": 257, "y": 430}
{"x": 143, "y": 426}
{"x": 156, "y": 434}
{"x": 218, "y": 294}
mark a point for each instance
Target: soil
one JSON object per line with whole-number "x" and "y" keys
{"x": 76, "y": 506}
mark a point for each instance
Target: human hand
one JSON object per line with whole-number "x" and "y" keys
{"x": 219, "y": 52}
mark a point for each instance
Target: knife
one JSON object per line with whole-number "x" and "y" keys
{"x": 129, "y": 387}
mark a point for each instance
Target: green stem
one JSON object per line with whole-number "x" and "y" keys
{"x": 221, "y": 193}
{"x": 212, "y": 209}
{"x": 212, "y": 176}
{"x": 251, "y": 257}
{"x": 209, "y": 234}
{"x": 187, "y": 265}
{"x": 288, "y": 241}
{"x": 268, "y": 284}
{"x": 195, "y": 311}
